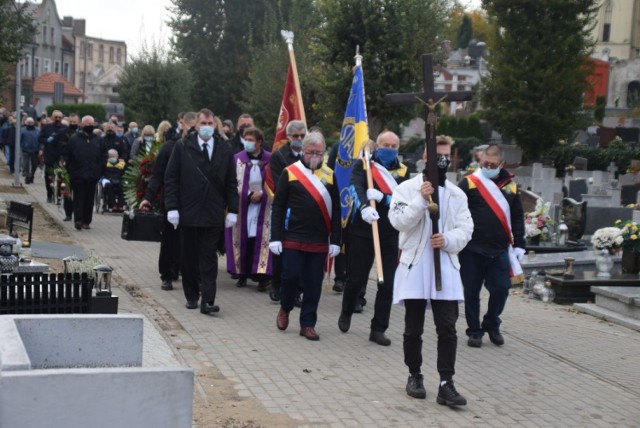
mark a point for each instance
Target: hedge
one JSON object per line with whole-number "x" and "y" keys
{"x": 598, "y": 159}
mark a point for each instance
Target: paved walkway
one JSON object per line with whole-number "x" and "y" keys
{"x": 557, "y": 368}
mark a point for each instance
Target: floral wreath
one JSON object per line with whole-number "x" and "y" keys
{"x": 63, "y": 180}
{"x": 136, "y": 178}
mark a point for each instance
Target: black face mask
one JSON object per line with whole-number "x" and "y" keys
{"x": 110, "y": 133}
{"x": 58, "y": 122}
{"x": 443, "y": 166}
{"x": 73, "y": 127}
{"x": 88, "y": 129}
{"x": 31, "y": 127}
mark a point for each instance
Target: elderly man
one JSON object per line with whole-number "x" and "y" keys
{"x": 49, "y": 142}
{"x": 132, "y": 134}
{"x": 387, "y": 173}
{"x": 85, "y": 166}
{"x": 29, "y": 146}
{"x": 200, "y": 185}
{"x": 280, "y": 159}
{"x": 247, "y": 243}
{"x": 415, "y": 285}
{"x": 305, "y": 227}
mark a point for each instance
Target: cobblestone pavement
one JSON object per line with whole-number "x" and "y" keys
{"x": 557, "y": 367}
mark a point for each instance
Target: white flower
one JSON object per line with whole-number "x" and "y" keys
{"x": 607, "y": 238}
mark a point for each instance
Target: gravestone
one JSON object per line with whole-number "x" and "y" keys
{"x": 529, "y": 200}
{"x": 575, "y": 217}
{"x": 606, "y": 135}
{"x": 599, "y": 217}
{"x": 593, "y": 141}
{"x": 577, "y": 188}
{"x": 629, "y": 194}
{"x": 581, "y": 137}
{"x": 580, "y": 163}
{"x": 628, "y": 134}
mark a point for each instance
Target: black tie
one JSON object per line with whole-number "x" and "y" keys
{"x": 205, "y": 151}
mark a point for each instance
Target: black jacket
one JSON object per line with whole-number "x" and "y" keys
{"x": 118, "y": 143}
{"x": 85, "y": 159}
{"x": 296, "y": 217}
{"x": 156, "y": 181}
{"x": 201, "y": 191}
{"x": 280, "y": 159}
{"x": 489, "y": 236}
{"x": 358, "y": 190}
{"x": 51, "y": 149}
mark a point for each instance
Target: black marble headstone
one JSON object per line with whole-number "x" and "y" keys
{"x": 577, "y": 188}
{"x": 575, "y": 216}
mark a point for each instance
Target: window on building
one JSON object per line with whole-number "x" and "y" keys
{"x": 28, "y": 65}
{"x": 606, "y": 27}
{"x": 119, "y": 56}
{"x": 65, "y": 70}
{"x": 111, "y": 54}
{"x": 36, "y": 67}
{"x": 101, "y": 53}
{"x": 44, "y": 34}
{"x": 82, "y": 49}
{"x": 53, "y": 36}
{"x": 56, "y": 67}
{"x": 90, "y": 51}
{"x": 46, "y": 65}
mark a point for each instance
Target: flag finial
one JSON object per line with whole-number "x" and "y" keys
{"x": 288, "y": 37}
{"x": 358, "y": 57}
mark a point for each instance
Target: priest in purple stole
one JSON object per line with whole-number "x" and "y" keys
{"x": 247, "y": 243}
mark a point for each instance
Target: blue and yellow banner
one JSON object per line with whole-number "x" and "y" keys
{"x": 353, "y": 137}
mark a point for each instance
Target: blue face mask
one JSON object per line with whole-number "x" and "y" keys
{"x": 148, "y": 139}
{"x": 119, "y": 133}
{"x": 134, "y": 130}
{"x": 490, "y": 173}
{"x": 386, "y": 155}
{"x": 249, "y": 146}
{"x": 205, "y": 132}
{"x": 113, "y": 160}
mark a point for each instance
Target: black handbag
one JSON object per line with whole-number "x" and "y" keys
{"x": 142, "y": 226}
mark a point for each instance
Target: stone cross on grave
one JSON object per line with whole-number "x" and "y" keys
{"x": 430, "y": 173}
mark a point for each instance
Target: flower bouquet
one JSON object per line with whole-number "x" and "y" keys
{"x": 537, "y": 223}
{"x": 63, "y": 181}
{"x": 630, "y": 232}
{"x": 607, "y": 238}
{"x": 137, "y": 176}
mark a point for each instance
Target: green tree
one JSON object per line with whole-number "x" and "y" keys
{"x": 392, "y": 35}
{"x": 538, "y": 70}
{"x": 16, "y": 30}
{"x": 154, "y": 87}
{"x": 465, "y": 32}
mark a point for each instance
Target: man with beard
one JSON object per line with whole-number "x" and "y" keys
{"x": 85, "y": 165}
{"x": 200, "y": 185}
{"x": 49, "y": 138}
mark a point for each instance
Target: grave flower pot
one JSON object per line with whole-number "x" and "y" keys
{"x": 630, "y": 261}
{"x": 534, "y": 240}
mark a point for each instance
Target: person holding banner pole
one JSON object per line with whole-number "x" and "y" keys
{"x": 305, "y": 228}
{"x": 387, "y": 172}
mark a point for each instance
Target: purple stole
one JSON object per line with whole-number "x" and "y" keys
{"x": 236, "y": 238}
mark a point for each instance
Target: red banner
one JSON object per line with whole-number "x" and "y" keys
{"x": 289, "y": 110}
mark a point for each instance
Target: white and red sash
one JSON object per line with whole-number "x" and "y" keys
{"x": 500, "y": 207}
{"x": 383, "y": 178}
{"x": 314, "y": 186}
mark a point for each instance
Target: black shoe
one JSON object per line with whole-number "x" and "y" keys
{"x": 263, "y": 285}
{"x": 49, "y": 199}
{"x": 448, "y": 395}
{"x": 167, "y": 285}
{"x": 380, "y": 338}
{"x": 274, "y": 295}
{"x": 358, "y": 309}
{"x": 191, "y": 304}
{"x": 209, "y": 308}
{"x": 475, "y": 341}
{"x": 242, "y": 282}
{"x": 495, "y": 337}
{"x": 338, "y": 286}
{"x": 415, "y": 387}
{"x": 344, "y": 322}
{"x": 78, "y": 225}
{"x": 67, "y": 218}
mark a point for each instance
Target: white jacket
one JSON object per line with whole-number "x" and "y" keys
{"x": 407, "y": 215}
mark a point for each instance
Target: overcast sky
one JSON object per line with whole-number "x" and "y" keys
{"x": 135, "y": 22}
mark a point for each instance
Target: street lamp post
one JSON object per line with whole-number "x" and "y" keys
{"x": 16, "y": 147}
{"x": 87, "y": 48}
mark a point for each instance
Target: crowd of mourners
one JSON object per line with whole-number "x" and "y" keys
{"x": 274, "y": 210}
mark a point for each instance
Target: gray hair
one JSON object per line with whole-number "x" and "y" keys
{"x": 112, "y": 151}
{"x": 296, "y": 125}
{"x": 313, "y": 138}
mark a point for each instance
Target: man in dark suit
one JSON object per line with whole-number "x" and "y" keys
{"x": 200, "y": 185}
{"x": 85, "y": 165}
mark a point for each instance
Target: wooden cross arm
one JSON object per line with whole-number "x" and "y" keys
{"x": 410, "y": 98}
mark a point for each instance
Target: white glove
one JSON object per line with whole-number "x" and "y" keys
{"x": 173, "y": 217}
{"x": 334, "y": 250}
{"x": 275, "y": 247}
{"x": 374, "y": 194}
{"x": 368, "y": 214}
{"x": 230, "y": 220}
{"x": 519, "y": 253}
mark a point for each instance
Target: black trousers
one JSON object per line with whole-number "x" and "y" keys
{"x": 67, "y": 204}
{"x": 445, "y": 315}
{"x": 114, "y": 195}
{"x": 48, "y": 179}
{"x": 360, "y": 257}
{"x": 169, "y": 259}
{"x": 199, "y": 261}
{"x": 84, "y": 191}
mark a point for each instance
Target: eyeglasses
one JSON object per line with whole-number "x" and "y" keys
{"x": 314, "y": 153}
{"x": 297, "y": 136}
{"x": 490, "y": 165}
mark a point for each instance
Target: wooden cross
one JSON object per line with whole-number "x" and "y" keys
{"x": 427, "y": 97}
